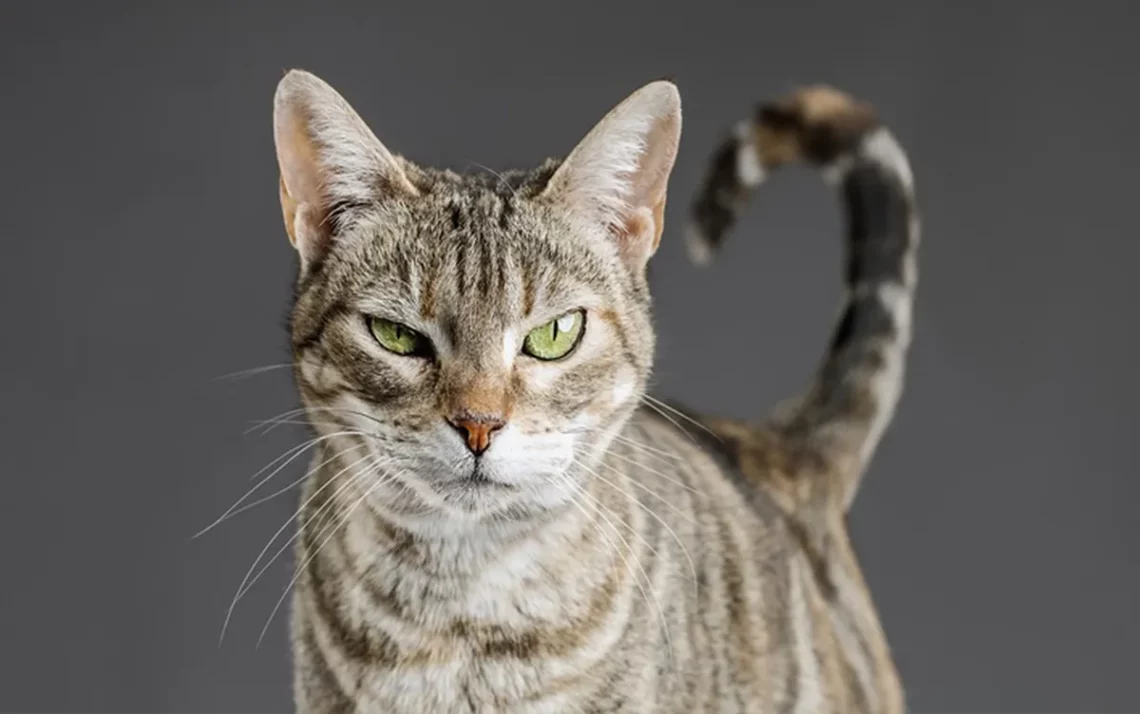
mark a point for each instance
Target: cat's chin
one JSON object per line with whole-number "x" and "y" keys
{"x": 473, "y": 494}
{"x": 439, "y": 495}
{"x": 475, "y": 484}
{"x": 482, "y": 501}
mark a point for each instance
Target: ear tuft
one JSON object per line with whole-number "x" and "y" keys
{"x": 618, "y": 175}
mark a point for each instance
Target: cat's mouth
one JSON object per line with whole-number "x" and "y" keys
{"x": 472, "y": 494}
{"x": 467, "y": 485}
{"x": 477, "y": 480}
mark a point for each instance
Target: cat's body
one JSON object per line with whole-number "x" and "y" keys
{"x": 760, "y": 629}
{"x": 488, "y": 530}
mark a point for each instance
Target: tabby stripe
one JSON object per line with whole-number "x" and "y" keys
{"x": 377, "y": 646}
{"x": 460, "y": 265}
{"x": 854, "y": 660}
{"x": 852, "y": 607}
{"x": 809, "y": 697}
{"x": 737, "y": 604}
{"x": 786, "y": 626}
{"x": 318, "y": 681}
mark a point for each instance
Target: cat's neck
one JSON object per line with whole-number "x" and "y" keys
{"x": 375, "y": 538}
{"x": 564, "y": 584}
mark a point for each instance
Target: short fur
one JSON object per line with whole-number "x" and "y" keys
{"x": 607, "y": 552}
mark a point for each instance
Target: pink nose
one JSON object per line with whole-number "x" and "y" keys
{"x": 477, "y": 431}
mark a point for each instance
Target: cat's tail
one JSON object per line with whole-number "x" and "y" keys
{"x": 843, "y": 415}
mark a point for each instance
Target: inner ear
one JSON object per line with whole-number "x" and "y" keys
{"x": 618, "y": 174}
{"x": 638, "y": 233}
{"x": 329, "y": 161}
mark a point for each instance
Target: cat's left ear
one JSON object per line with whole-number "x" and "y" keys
{"x": 330, "y": 162}
{"x": 617, "y": 176}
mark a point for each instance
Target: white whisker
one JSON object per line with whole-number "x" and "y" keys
{"x": 287, "y": 417}
{"x": 329, "y": 505}
{"x": 638, "y": 445}
{"x": 251, "y": 372}
{"x": 653, "y": 400}
{"x": 496, "y": 174}
{"x": 642, "y": 486}
{"x": 671, "y": 479}
{"x": 598, "y": 509}
{"x": 292, "y": 454}
{"x": 672, "y": 421}
{"x": 242, "y": 588}
{"x": 292, "y": 484}
{"x": 332, "y": 531}
{"x": 650, "y": 511}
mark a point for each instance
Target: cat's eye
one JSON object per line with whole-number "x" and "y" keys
{"x": 557, "y": 338}
{"x": 398, "y": 338}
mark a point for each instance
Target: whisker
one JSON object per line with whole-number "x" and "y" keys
{"x": 306, "y": 422}
{"x": 242, "y": 589}
{"x": 653, "y": 400}
{"x": 628, "y": 527}
{"x": 285, "y": 417}
{"x": 252, "y": 372}
{"x": 598, "y": 509}
{"x": 650, "y": 511}
{"x": 289, "y": 417}
{"x": 293, "y": 454}
{"x": 575, "y": 491}
{"x": 673, "y": 421}
{"x": 329, "y": 505}
{"x": 271, "y": 421}
{"x": 301, "y": 568}
{"x": 670, "y": 479}
{"x": 296, "y": 451}
{"x": 514, "y": 191}
{"x": 665, "y": 525}
{"x": 638, "y": 445}
{"x": 628, "y": 495}
{"x": 353, "y": 412}
{"x": 293, "y": 484}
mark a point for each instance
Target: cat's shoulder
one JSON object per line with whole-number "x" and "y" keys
{"x": 757, "y": 457}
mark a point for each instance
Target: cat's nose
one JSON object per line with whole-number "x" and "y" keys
{"x": 477, "y": 431}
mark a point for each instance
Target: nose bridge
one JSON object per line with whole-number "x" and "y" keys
{"x": 478, "y": 405}
{"x": 477, "y": 335}
{"x": 478, "y": 393}
{"x": 477, "y": 377}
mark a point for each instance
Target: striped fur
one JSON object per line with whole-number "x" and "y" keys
{"x": 607, "y": 552}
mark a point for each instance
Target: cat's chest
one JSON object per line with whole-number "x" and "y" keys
{"x": 481, "y": 666}
{"x": 467, "y": 684}
{"x": 501, "y": 643}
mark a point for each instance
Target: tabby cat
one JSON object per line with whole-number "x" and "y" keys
{"x": 499, "y": 519}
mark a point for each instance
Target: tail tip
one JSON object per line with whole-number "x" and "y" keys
{"x": 817, "y": 124}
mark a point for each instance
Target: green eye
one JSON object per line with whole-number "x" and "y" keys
{"x": 557, "y": 338}
{"x": 396, "y": 338}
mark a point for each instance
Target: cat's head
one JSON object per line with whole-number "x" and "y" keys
{"x": 476, "y": 340}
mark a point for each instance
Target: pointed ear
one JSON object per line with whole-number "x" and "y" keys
{"x": 617, "y": 176}
{"x": 330, "y": 162}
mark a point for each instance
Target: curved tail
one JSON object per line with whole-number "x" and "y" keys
{"x": 844, "y": 413}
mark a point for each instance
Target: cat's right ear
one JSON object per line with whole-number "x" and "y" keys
{"x": 330, "y": 162}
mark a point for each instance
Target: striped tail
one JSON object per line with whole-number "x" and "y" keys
{"x": 843, "y": 415}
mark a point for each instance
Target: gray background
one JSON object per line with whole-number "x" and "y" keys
{"x": 143, "y": 255}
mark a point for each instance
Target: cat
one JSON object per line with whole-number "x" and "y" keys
{"x": 499, "y": 518}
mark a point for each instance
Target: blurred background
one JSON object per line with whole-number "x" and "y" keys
{"x": 143, "y": 257}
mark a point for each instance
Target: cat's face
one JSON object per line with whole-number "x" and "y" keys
{"x": 479, "y": 340}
